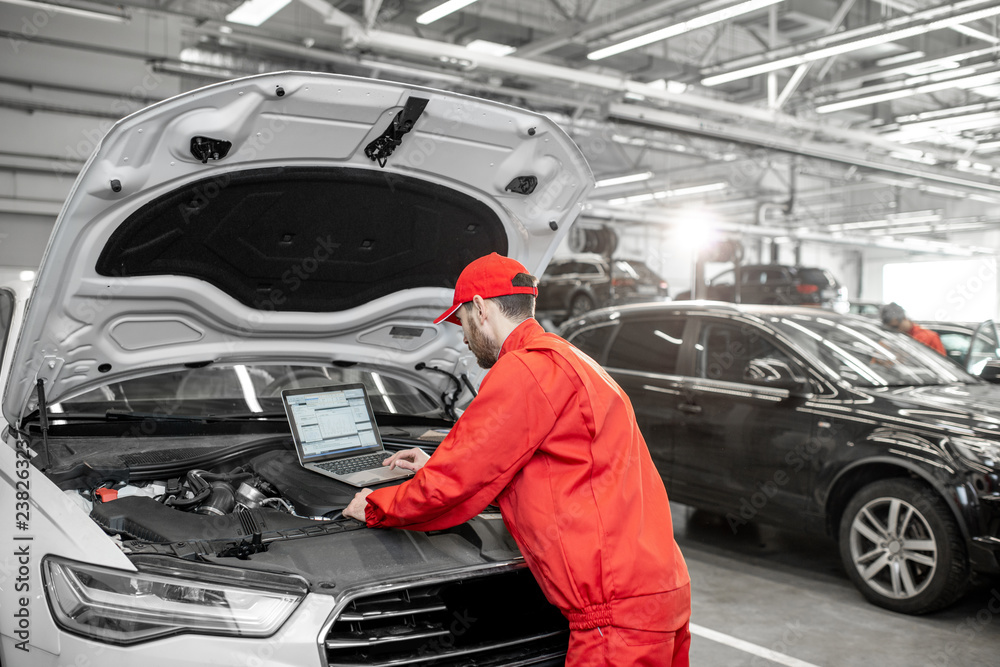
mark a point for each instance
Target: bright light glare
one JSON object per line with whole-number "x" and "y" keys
{"x": 255, "y": 12}
{"x": 442, "y": 10}
{"x": 27, "y": 276}
{"x": 697, "y": 233}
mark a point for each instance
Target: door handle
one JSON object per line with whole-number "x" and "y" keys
{"x": 690, "y": 408}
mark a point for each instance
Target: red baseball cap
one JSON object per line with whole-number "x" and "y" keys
{"x": 488, "y": 276}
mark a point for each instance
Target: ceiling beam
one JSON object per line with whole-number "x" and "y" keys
{"x": 600, "y": 26}
{"x": 774, "y": 58}
{"x": 776, "y": 141}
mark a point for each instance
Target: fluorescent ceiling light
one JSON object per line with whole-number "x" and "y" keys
{"x": 442, "y": 10}
{"x": 622, "y": 180}
{"x": 963, "y": 82}
{"x": 680, "y": 28}
{"x": 255, "y": 12}
{"x": 663, "y": 194}
{"x": 490, "y": 48}
{"x": 675, "y": 87}
{"x": 931, "y": 67}
{"x": 847, "y": 47}
{"x": 73, "y": 11}
{"x": 901, "y": 58}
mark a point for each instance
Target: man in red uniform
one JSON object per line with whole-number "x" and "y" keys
{"x": 553, "y": 440}
{"x": 894, "y": 317}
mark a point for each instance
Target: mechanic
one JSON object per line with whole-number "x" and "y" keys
{"x": 894, "y": 317}
{"x": 553, "y": 440}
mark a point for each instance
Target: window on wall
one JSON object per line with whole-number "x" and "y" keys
{"x": 948, "y": 291}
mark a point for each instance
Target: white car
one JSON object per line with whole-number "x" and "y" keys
{"x": 283, "y": 230}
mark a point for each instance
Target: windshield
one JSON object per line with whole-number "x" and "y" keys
{"x": 866, "y": 355}
{"x": 636, "y": 270}
{"x": 240, "y": 389}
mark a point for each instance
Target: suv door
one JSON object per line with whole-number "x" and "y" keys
{"x": 984, "y": 347}
{"x": 644, "y": 359}
{"x": 742, "y": 424}
{"x": 554, "y": 285}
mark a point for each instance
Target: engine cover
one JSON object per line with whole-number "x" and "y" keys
{"x": 145, "y": 519}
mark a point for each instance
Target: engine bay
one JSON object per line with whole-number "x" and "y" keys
{"x": 174, "y": 495}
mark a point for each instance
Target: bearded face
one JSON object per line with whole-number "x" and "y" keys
{"x": 479, "y": 341}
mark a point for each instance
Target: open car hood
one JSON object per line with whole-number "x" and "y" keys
{"x": 290, "y": 217}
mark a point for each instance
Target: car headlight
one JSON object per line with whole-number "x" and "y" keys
{"x": 976, "y": 450}
{"x": 128, "y": 607}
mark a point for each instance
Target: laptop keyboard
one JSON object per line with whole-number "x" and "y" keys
{"x": 355, "y": 464}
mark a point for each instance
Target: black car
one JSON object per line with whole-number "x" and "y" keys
{"x": 777, "y": 284}
{"x": 821, "y": 422}
{"x": 572, "y": 286}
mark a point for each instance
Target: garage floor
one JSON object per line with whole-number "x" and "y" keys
{"x": 766, "y": 597}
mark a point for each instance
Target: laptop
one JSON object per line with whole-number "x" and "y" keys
{"x": 335, "y": 434}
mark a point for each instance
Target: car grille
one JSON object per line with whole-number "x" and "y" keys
{"x": 493, "y": 619}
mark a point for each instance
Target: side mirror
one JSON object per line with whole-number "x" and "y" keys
{"x": 776, "y": 373}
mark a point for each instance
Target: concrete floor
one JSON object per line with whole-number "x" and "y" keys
{"x": 766, "y": 597}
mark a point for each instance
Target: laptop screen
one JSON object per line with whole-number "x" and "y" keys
{"x": 330, "y": 422}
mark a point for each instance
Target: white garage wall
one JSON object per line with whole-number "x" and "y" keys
{"x": 957, "y": 288}
{"x": 962, "y": 290}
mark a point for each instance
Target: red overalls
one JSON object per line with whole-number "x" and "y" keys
{"x": 928, "y": 338}
{"x": 553, "y": 440}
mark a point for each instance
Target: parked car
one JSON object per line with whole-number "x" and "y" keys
{"x": 871, "y": 309}
{"x": 282, "y": 230}
{"x": 972, "y": 346}
{"x": 571, "y": 286}
{"x": 778, "y": 284}
{"x": 820, "y": 422}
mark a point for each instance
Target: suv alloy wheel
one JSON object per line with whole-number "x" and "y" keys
{"x": 902, "y": 548}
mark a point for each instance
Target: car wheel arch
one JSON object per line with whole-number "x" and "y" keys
{"x": 861, "y": 473}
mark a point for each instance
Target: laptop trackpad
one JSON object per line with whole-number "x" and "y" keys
{"x": 376, "y": 476}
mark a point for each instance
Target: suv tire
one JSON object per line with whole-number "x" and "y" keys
{"x": 902, "y": 548}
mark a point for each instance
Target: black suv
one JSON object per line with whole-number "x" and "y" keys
{"x": 820, "y": 422}
{"x": 778, "y": 284}
{"x": 572, "y": 286}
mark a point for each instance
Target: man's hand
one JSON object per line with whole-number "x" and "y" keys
{"x": 356, "y": 510}
{"x": 408, "y": 459}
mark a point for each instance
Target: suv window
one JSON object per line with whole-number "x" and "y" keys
{"x": 648, "y": 345}
{"x": 588, "y": 268}
{"x": 817, "y": 277}
{"x": 723, "y": 279}
{"x": 593, "y": 340}
{"x": 559, "y": 269}
{"x": 738, "y": 353}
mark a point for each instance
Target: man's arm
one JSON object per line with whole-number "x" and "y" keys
{"x": 495, "y": 437}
